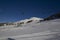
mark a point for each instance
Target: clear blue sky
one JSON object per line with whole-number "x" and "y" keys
{"x": 14, "y": 10}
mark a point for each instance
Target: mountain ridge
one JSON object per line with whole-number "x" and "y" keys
{"x": 33, "y": 19}
{"x": 54, "y": 16}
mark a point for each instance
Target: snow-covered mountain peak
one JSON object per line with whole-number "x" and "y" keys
{"x": 36, "y": 18}
{"x": 32, "y": 19}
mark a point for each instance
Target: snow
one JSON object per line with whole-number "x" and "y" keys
{"x": 32, "y": 18}
{"x": 47, "y": 30}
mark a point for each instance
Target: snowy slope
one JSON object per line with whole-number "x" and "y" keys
{"x": 47, "y": 30}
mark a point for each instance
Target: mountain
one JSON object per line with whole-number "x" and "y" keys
{"x": 47, "y": 30}
{"x": 30, "y": 20}
{"x": 54, "y": 16}
{"x": 30, "y": 29}
{"x": 22, "y": 22}
{"x": 33, "y": 20}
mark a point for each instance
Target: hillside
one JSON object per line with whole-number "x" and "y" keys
{"x": 54, "y": 16}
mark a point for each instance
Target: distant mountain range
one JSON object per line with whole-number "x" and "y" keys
{"x": 33, "y": 19}
{"x": 22, "y": 22}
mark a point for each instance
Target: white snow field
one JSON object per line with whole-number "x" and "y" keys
{"x": 47, "y": 30}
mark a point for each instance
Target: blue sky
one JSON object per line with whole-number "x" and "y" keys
{"x": 14, "y": 10}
